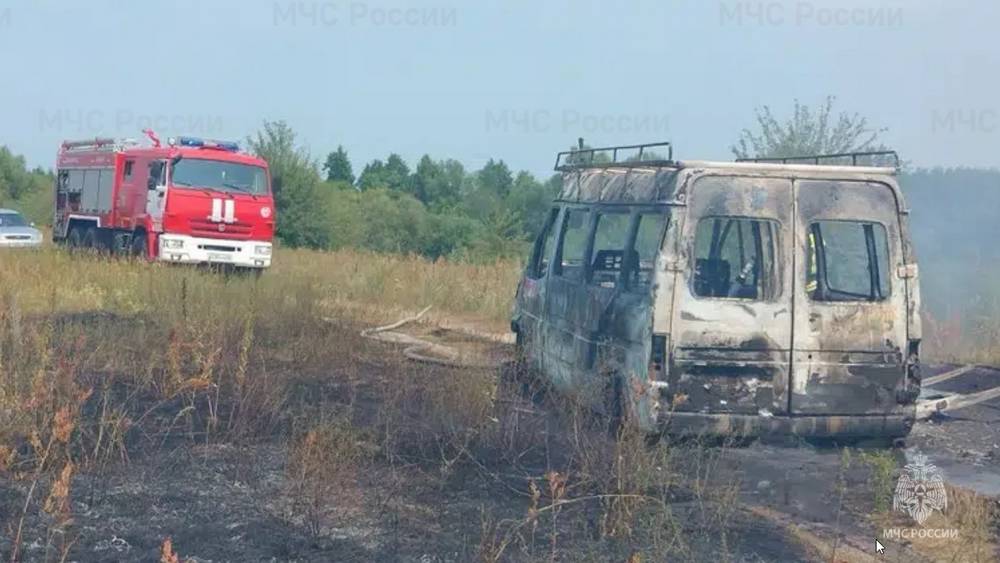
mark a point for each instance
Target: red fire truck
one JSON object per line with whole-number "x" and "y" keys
{"x": 193, "y": 201}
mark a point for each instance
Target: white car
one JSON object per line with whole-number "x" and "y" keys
{"x": 16, "y": 231}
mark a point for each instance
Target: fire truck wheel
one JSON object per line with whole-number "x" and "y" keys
{"x": 75, "y": 238}
{"x": 90, "y": 241}
{"x": 139, "y": 245}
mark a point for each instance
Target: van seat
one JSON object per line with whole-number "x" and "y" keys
{"x": 711, "y": 277}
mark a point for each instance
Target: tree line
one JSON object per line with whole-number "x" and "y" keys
{"x": 438, "y": 208}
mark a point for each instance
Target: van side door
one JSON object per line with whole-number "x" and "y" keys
{"x": 850, "y": 308}
{"x": 528, "y": 315}
{"x": 732, "y": 314}
{"x": 569, "y": 351}
{"x": 623, "y": 262}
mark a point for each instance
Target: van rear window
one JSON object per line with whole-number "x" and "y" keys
{"x": 734, "y": 258}
{"x": 847, "y": 261}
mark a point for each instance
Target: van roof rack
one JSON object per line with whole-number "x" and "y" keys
{"x": 622, "y": 156}
{"x": 815, "y": 159}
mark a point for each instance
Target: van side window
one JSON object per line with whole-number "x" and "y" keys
{"x": 847, "y": 261}
{"x": 607, "y": 261}
{"x": 128, "y": 169}
{"x": 647, "y": 246}
{"x": 544, "y": 247}
{"x": 571, "y": 254}
{"x": 734, "y": 258}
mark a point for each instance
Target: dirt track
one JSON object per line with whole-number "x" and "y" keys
{"x": 799, "y": 482}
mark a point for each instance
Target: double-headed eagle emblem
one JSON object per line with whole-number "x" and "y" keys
{"x": 920, "y": 490}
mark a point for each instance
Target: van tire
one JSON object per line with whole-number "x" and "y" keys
{"x": 619, "y": 413}
{"x": 615, "y": 407}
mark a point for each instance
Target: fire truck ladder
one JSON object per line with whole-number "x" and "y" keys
{"x": 105, "y": 144}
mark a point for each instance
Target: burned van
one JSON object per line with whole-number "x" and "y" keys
{"x": 727, "y": 297}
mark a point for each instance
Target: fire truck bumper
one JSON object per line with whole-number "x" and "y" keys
{"x": 183, "y": 249}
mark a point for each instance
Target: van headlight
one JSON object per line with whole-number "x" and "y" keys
{"x": 173, "y": 243}
{"x": 263, "y": 250}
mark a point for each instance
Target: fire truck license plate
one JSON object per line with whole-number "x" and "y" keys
{"x": 216, "y": 257}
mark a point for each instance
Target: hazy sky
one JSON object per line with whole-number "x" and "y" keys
{"x": 517, "y": 79}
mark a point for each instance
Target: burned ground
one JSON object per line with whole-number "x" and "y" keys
{"x": 268, "y": 429}
{"x": 429, "y": 480}
{"x": 446, "y": 495}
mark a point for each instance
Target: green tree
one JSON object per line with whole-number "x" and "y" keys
{"x": 338, "y": 167}
{"x": 393, "y": 174}
{"x": 30, "y": 192}
{"x": 303, "y": 217}
{"x": 529, "y": 202}
{"x": 807, "y": 132}
{"x": 437, "y": 184}
{"x": 387, "y": 221}
{"x": 496, "y": 178}
{"x": 15, "y": 180}
{"x": 372, "y": 176}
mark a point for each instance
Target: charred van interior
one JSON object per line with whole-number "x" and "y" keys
{"x": 732, "y": 298}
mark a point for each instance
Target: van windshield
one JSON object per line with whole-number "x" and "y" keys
{"x": 219, "y": 175}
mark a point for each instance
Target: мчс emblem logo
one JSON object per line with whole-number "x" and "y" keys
{"x": 920, "y": 490}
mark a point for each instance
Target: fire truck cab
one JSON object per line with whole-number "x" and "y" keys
{"x": 194, "y": 201}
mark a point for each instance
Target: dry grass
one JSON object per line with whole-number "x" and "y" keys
{"x": 210, "y": 353}
{"x": 975, "y": 517}
{"x": 103, "y": 360}
{"x": 324, "y": 466}
{"x": 974, "y": 339}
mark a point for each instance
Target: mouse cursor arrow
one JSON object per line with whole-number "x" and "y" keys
{"x": 879, "y": 548}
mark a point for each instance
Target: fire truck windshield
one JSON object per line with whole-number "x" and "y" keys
{"x": 218, "y": 175}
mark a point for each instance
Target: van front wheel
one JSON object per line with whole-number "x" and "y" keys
{"x": 615, "y": 405}
{"x": 618, "y": 410}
